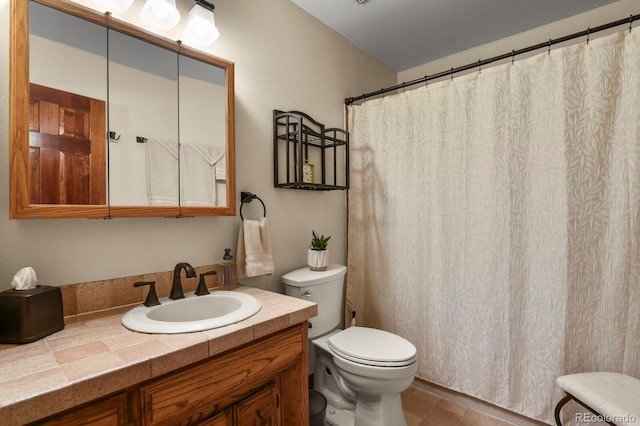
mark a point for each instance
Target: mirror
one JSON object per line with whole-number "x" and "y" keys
{"x": 143, "y": 115}
{"x": 159, "y": 114}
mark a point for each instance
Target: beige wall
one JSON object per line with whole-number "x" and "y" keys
{"x": 603, "y": 15}
{"x": 284, "y": 59}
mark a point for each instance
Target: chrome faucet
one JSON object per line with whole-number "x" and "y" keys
{"x": 176, "y": 288}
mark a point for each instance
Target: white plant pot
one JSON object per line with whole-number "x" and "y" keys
{"x": 318, "y": 260}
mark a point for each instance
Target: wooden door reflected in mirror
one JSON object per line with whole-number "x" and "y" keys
{"x": 66, "y": 148}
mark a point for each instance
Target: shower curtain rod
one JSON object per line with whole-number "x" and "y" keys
{"x": 512, "y": 54}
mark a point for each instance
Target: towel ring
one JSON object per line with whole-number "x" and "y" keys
{"x": 247, "y": 197}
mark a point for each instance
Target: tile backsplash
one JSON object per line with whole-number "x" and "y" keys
{"x": 94, "y": 296}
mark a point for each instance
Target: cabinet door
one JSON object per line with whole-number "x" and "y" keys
{"x": 204, "y": 389}
{"x": 221, "y": 419}
{"x": 107, "y": 412}
{"x": 260, "y": 409}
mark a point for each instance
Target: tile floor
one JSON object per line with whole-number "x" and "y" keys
{"x": 422, "y": 408}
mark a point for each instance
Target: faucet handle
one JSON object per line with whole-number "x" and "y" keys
{"x": 202, "y": 287}
{"x": 152, "y": 297}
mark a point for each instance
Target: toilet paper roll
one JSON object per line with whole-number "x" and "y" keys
{"x": 25, "y": 279}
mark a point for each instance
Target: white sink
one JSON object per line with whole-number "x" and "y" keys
{"x": 193, "y": 313}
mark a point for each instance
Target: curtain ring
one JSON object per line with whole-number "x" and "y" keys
{"x": 451, "y": 72}
{"x": 630, "y": 22}
{"x": 588, "y": 34}
{"x": 549, "y": 49}
{"x": 426, "y": 80}
{"x": 479, "y": 66}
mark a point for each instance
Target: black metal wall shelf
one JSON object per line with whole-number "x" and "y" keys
{"x": 299, "y": 144}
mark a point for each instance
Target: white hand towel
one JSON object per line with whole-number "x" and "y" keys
{"x": 254, "y": 249}
{"x": 198, "y": 174}
{"x": 162, "y": 172}
{"x": 221, "y": 168}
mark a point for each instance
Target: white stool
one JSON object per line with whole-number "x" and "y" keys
{"x": 614, "y": 397}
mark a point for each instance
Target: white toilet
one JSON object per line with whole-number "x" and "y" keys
{"x": 361, "y": 371}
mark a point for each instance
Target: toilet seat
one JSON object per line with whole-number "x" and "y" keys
{"x": 373, "y": 347}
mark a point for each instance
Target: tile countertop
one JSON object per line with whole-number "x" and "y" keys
{"x": 95, "y": 355}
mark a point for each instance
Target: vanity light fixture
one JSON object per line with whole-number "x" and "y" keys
{"x": 201, "y": 26}
{"x": 162, "y": 13}
{"x": 117, "y": 5}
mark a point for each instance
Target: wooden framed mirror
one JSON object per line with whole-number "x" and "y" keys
{"x": 108, "y": 120}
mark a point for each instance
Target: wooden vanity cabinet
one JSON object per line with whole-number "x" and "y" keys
{"x": 198, "y": 392}
{"x": 261, "y": 383}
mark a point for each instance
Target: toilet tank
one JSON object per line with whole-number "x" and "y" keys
{"x": 326, "y": 288}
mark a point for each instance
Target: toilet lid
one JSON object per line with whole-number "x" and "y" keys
{"x": 372, "y": 347}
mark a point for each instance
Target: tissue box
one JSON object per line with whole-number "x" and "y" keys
{"x": 29, "y": 315}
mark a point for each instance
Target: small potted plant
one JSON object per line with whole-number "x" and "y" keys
{"x": 318, "y": 254}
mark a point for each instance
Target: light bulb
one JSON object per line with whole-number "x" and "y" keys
{"x": 201, "y": 27}
{"x": 162, "y": 13}
{"x": 160, "y": 9}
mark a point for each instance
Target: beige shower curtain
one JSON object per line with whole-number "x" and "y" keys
{"x": 494, "y": 221}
